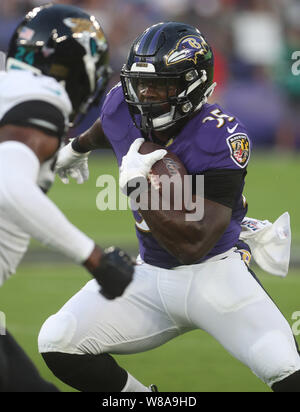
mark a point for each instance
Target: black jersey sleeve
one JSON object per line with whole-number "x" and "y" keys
{"x": 38, "y": 114}
{"x": 222, "y": 185}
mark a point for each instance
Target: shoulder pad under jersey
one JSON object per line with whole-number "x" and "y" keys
{"x": 18, "y": 86}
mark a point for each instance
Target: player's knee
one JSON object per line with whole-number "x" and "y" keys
{"x": 274, "y": 357}
{"x": 87, "y": 373}
{"x": 57, "y": 332}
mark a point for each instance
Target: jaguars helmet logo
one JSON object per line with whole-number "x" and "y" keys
{"x": 188, "y": 48}
{"x": 239, "y": 145}
{"x": 79, "y": 25}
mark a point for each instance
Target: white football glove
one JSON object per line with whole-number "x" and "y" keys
{"x": 135, "y": 165}
{"x": 73, "y": 164}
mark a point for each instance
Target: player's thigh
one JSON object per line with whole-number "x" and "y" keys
{"x": 229, "y": 303}
{"x": 89, "y": 323}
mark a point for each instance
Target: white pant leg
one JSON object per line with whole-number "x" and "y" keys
{"x": 227, "y": 302}
{"x": 219, "y": 296}
{"x": 90, "y": 324}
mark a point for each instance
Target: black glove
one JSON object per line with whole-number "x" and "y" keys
{"x": 114, "y": 273}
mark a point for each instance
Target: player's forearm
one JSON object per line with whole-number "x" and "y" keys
{"x": 187, "y": 237}
{"x": 22, "y": 202}
{"x": 92, "y": 139}
{"x": 187, "y": 241}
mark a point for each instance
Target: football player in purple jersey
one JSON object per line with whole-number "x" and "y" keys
{"x": 191, "y": 273}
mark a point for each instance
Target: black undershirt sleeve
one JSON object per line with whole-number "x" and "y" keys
{"x": 38, "y": 114}
{"x": 222, "y": 185}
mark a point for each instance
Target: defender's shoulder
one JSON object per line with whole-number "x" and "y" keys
{"x": 19, "y": 86}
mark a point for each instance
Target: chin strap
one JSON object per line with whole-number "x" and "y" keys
{"x": 159, "y": 122}
{"x": 206, "y": 96}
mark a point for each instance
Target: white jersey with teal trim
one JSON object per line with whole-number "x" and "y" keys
{"x": 16, "y": 87}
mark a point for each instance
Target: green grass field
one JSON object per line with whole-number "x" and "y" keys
{"x": 192, "y": 362}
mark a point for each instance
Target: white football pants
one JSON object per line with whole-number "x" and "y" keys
{"x": 219, "y": 296}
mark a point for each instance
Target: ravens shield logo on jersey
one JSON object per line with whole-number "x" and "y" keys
{"x": 239, "y": 146}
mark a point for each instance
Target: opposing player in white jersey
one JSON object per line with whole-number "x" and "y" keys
{"x": 57, "y": 65}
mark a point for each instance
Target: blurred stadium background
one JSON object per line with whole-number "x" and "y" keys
{"x": 254, "y": 42}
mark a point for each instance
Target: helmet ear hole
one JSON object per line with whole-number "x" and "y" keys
{"x": 187, "y": 107}
{"x": 191, "y": 75}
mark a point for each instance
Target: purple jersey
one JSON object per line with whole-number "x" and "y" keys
{"x": 212, "y": 139}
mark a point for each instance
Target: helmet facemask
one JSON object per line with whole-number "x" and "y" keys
{"x": 176, "y": 57}
{"x": 165, "y": 99}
